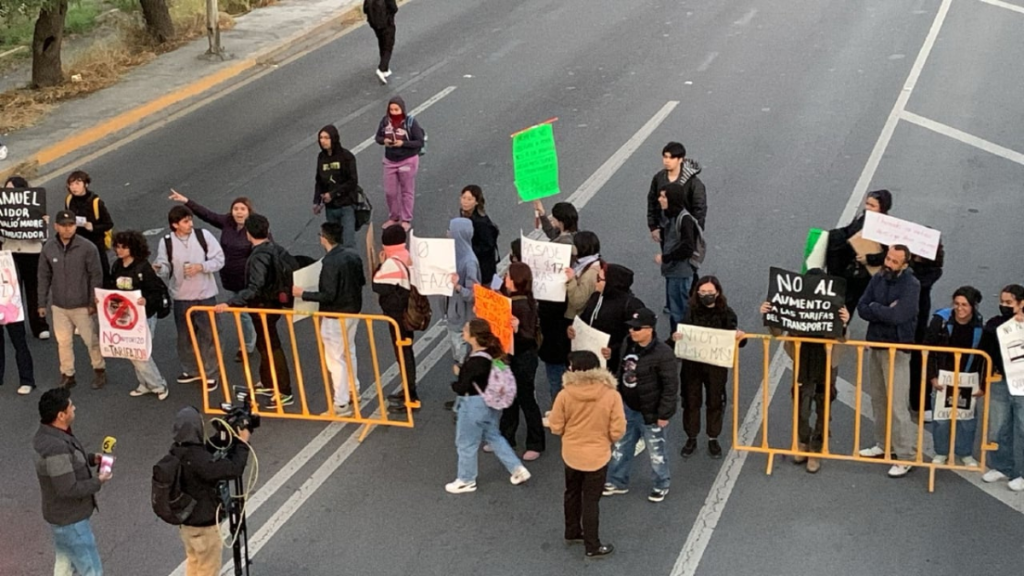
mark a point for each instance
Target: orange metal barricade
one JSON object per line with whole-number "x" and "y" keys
{"x": 981, "y": 412}
{"x": 365, "y": 413}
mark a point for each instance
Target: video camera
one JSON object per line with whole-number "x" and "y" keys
{"x": 238, "y": 416}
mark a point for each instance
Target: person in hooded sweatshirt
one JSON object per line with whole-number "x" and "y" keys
{"x": 678, "y": 248}
{"x": 608, "y": 309}
{"x": 459, "y": 308}
{"x": 201, "y": 472}
{"x": 337, "y": 184}
{"x": 94, "y": 220}
{"x": 403, "y": 139}
{"x": 380, "y": 15}
{"x": 842, "y": 260}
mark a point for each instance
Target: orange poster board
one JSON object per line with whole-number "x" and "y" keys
{"x": 497, "y": 310}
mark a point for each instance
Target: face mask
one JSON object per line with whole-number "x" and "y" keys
{"x": 708, "y": 299}
{"x": 1006, "y": 311}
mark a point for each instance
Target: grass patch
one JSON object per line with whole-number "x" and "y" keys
{"x": 17, "y": 28}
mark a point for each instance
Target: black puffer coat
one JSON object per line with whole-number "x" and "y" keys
{"x": 608, "y": 311}
{"x": 648, "y": 379}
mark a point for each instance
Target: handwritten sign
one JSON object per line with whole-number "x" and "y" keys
{"x": 706, "y": 345}
{"x": 1011, "y": 344}
{"x": 589, "y": 339}
{"x": 921, "y": 240}
{"x": 11, "y": 310}
{"x": 433, "y": 263}
{"x": 806, "y": 304}
{"x": 308, "y": 279}
{"x": 497, "y": 310}
{"x": 123, "y": 329}
{"x": 21, "y": 213}
{"x": 965, "y": 399}
{"x": 548, "y": 262}
{"x": 535, "y": 163}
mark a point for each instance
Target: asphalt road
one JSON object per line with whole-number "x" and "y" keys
{"x": 781, "y": 102}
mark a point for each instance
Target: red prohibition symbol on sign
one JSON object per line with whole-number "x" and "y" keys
{"x": 120, "y": 311}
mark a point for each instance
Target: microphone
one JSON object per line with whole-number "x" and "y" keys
{"x": 108, "y": 444}
{"x": 107, "y": 458}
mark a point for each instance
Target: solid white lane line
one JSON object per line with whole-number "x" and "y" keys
{"x": 415, "y": 112}
{"x": 1007, "y": 5}
{"x": 707, "y": 61}
{"x": 746, "y": 18}
{"x": 707, "y": 519}
{"x": 979, "y": 143}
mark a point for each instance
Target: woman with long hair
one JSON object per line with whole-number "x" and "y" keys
{"x": 477, "y": 422}
{"x": 485, "y": 233}
{"x": 1006, "y": 420}
{"x": 843, "y": 258}
{"x": 526, "y": 325}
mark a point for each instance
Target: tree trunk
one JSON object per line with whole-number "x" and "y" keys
{"x": 46, "y": 41}
{"x": 158, "y": 20}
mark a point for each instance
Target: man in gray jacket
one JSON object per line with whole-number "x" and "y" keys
{"x": 67, "y": 484}
{"x": 69, "y": 273}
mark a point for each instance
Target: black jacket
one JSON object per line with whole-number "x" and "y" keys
{"x": 139, "y": 275}
{"x": 336, "y": 174}
{"x": 200, "y": 472}
{"x": 261, "y": 281}
{"x": 648, "y": 379}
{"x": 475, "y": 370}
{"x": 944, "y": 332}
{"x": 526, "y": 310}
{"x": 84, "y": 206}
{"x": 990, "y": 342}
{"x": 696, "y": 194}
{"x": 341, "y": 282}
{"x": 380, "y": 20}
{"x": 841, "y": 259}
{"x": 718, "y": 318}
{"x": 485, "y": 245}
{"x": 608, "y": 311}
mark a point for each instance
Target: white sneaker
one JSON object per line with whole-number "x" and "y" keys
{"x": 927, "y": 416}
{"x": 140, "y": 391}
{"x": 381, "y": 76}
{"x": 44, "y": 335}
{"x": 969, "y": 461}
{"x": 343, "y": 411}
{"x": 163, "y": 394}
{"x": 387, "y": 73}
{"x": 873, "y": 452}
{"x": 522, "y": 475}
{"x": 640, "y": 447}
{"x": 488, "y": 449}
{"x": 1017, "y": 484}
{"x": 940, "y": 459}
{"x": 460, "y": 487}
{"x": 25, "y": 389}
{"x": 993, "y": 475}
{"x": 899, "y": 471}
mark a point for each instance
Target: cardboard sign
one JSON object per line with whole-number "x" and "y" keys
{"x": 548, "y": 262}
{"x": 590, "y": 339}
{"x": 535, "y": 163}
{"x": 965, "y": 399}
{"x": 808, "y": 305}
{"x": 433, "y": 263}
{"x": 11, "y": 310}
{"x": 21, "y": 213}
{"x": 921, "y": 240}
{"x": 497, "y": 310}
{"x": 1011, "y": 344}
{"x": 865, "y": 248}
{"x": 308, "y": 279}
{"x": 706, "y": 345}
{"x": 123, "y": 329}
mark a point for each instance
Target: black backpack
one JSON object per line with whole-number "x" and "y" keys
{"x": 170, "y": 503}
{"x": 169, "y": 247}
{"x": 284, "y": 265}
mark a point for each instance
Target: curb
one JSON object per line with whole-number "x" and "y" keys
{"x": 147, "y": 109}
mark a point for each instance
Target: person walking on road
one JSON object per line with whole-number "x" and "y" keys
{"x": 609, "y": 307}
{"x": 236, "y": 247}
{"x": 68, "y": 485}
{"x": 337, "y": 184}
{"x": 69, "y": 274}
{"x": 677, "y": 169}
{"x": 477, "y": 422}
{"x": 889, "y": 305}
{"x": 485, "y": 233}
{"x": 91, "y": 215}
{"x": 589, "y": 417}
{"x": 340, "y": 289}
{"x": 523, "y": 362}
{"x": 680, "y": 252}
{"x": 26, "y": 260}
{"x": 581, "y": 277}
{"x": 403, "y": 139}
{"x": 559, "y": 227}
{"x": 1006, "y": 419}
{"x": 380, "y": 15}
{"x": 459, "y": 309}
{"x": 392, "y": 283}
{"x": 649, "y": 383}
{"x": 186, "y": 259}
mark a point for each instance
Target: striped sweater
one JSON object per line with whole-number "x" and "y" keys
{"x": 66, "y": 479}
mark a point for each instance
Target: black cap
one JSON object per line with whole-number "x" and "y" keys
{"x": 643, "y": 318}
{"x": 65, "y": 217}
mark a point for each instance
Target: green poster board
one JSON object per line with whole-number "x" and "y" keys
{"x": 535, "y": 162}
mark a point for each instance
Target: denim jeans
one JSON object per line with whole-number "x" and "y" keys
{"x": 678, "y": 299}
{"x": 76, "y": 550}
{"x": 965, "y": 431}
{"x": 204, "y": 336}
{"x": 477, "y": 423}
{"x": 248, "y": 330}
{"x": 624, "y": 450}
{"x": 554, "y": 372}
{"x": 146, "y": 370}
{"x": 1006, "y": 427}
{"x": 346, "y": 217}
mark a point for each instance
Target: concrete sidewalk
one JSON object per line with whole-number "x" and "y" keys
{"x": 171, "y": 81}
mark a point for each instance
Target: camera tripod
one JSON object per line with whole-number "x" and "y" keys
{"x": 234, "y": 503}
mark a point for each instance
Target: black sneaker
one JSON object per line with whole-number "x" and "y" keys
{"x": 601, "y": 552}
{"x": 286, "y": 400}
{"x": 212, "y": 385}
{"x": 714, "y": 449}
{"x": 689, "y": 448}
{"x": 187, "y": 378}
{"x": 657, "y": 495}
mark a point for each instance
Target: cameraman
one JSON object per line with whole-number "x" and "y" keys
{"x": 201, "y": 472}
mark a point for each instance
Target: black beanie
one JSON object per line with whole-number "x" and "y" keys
{"x": 393, "y": 235}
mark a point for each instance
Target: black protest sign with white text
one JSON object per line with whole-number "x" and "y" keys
{"x": 21, "y": 213}
{"x": 807, "y": 304}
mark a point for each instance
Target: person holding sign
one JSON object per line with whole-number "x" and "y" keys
{"x": 890, "y": 307}
{"x": 459, "y": 309}
{"x": 679, "y": 251}
{"x": 853, "y": 258}
{"x": 560, "y": 227}
{"x": 959, "y": 326}
{"x": 485, "y": 233}
{"x": 1006, "y": 416}
{"x": 26, "y": 259}
{"x": 523, "y": 362}
{"x": 708, "y": 309}
{"x": 582, "y": 275}
{"x": 608, "y": 309}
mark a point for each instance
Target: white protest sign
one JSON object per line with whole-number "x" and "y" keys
{"x": 308, "y": 279}
{"x": 123, "y": 329}
{"x": 966, "y": 402}
{"x": 548, "y": 262}
{"x": 11, "y": 310}
{"x": 706, "y": 345}
{"x": 921, "y": 240}
{"x": 589, "y": 339}
{"x": 433, "y": 263}
{"x": 1011, "y": 344}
